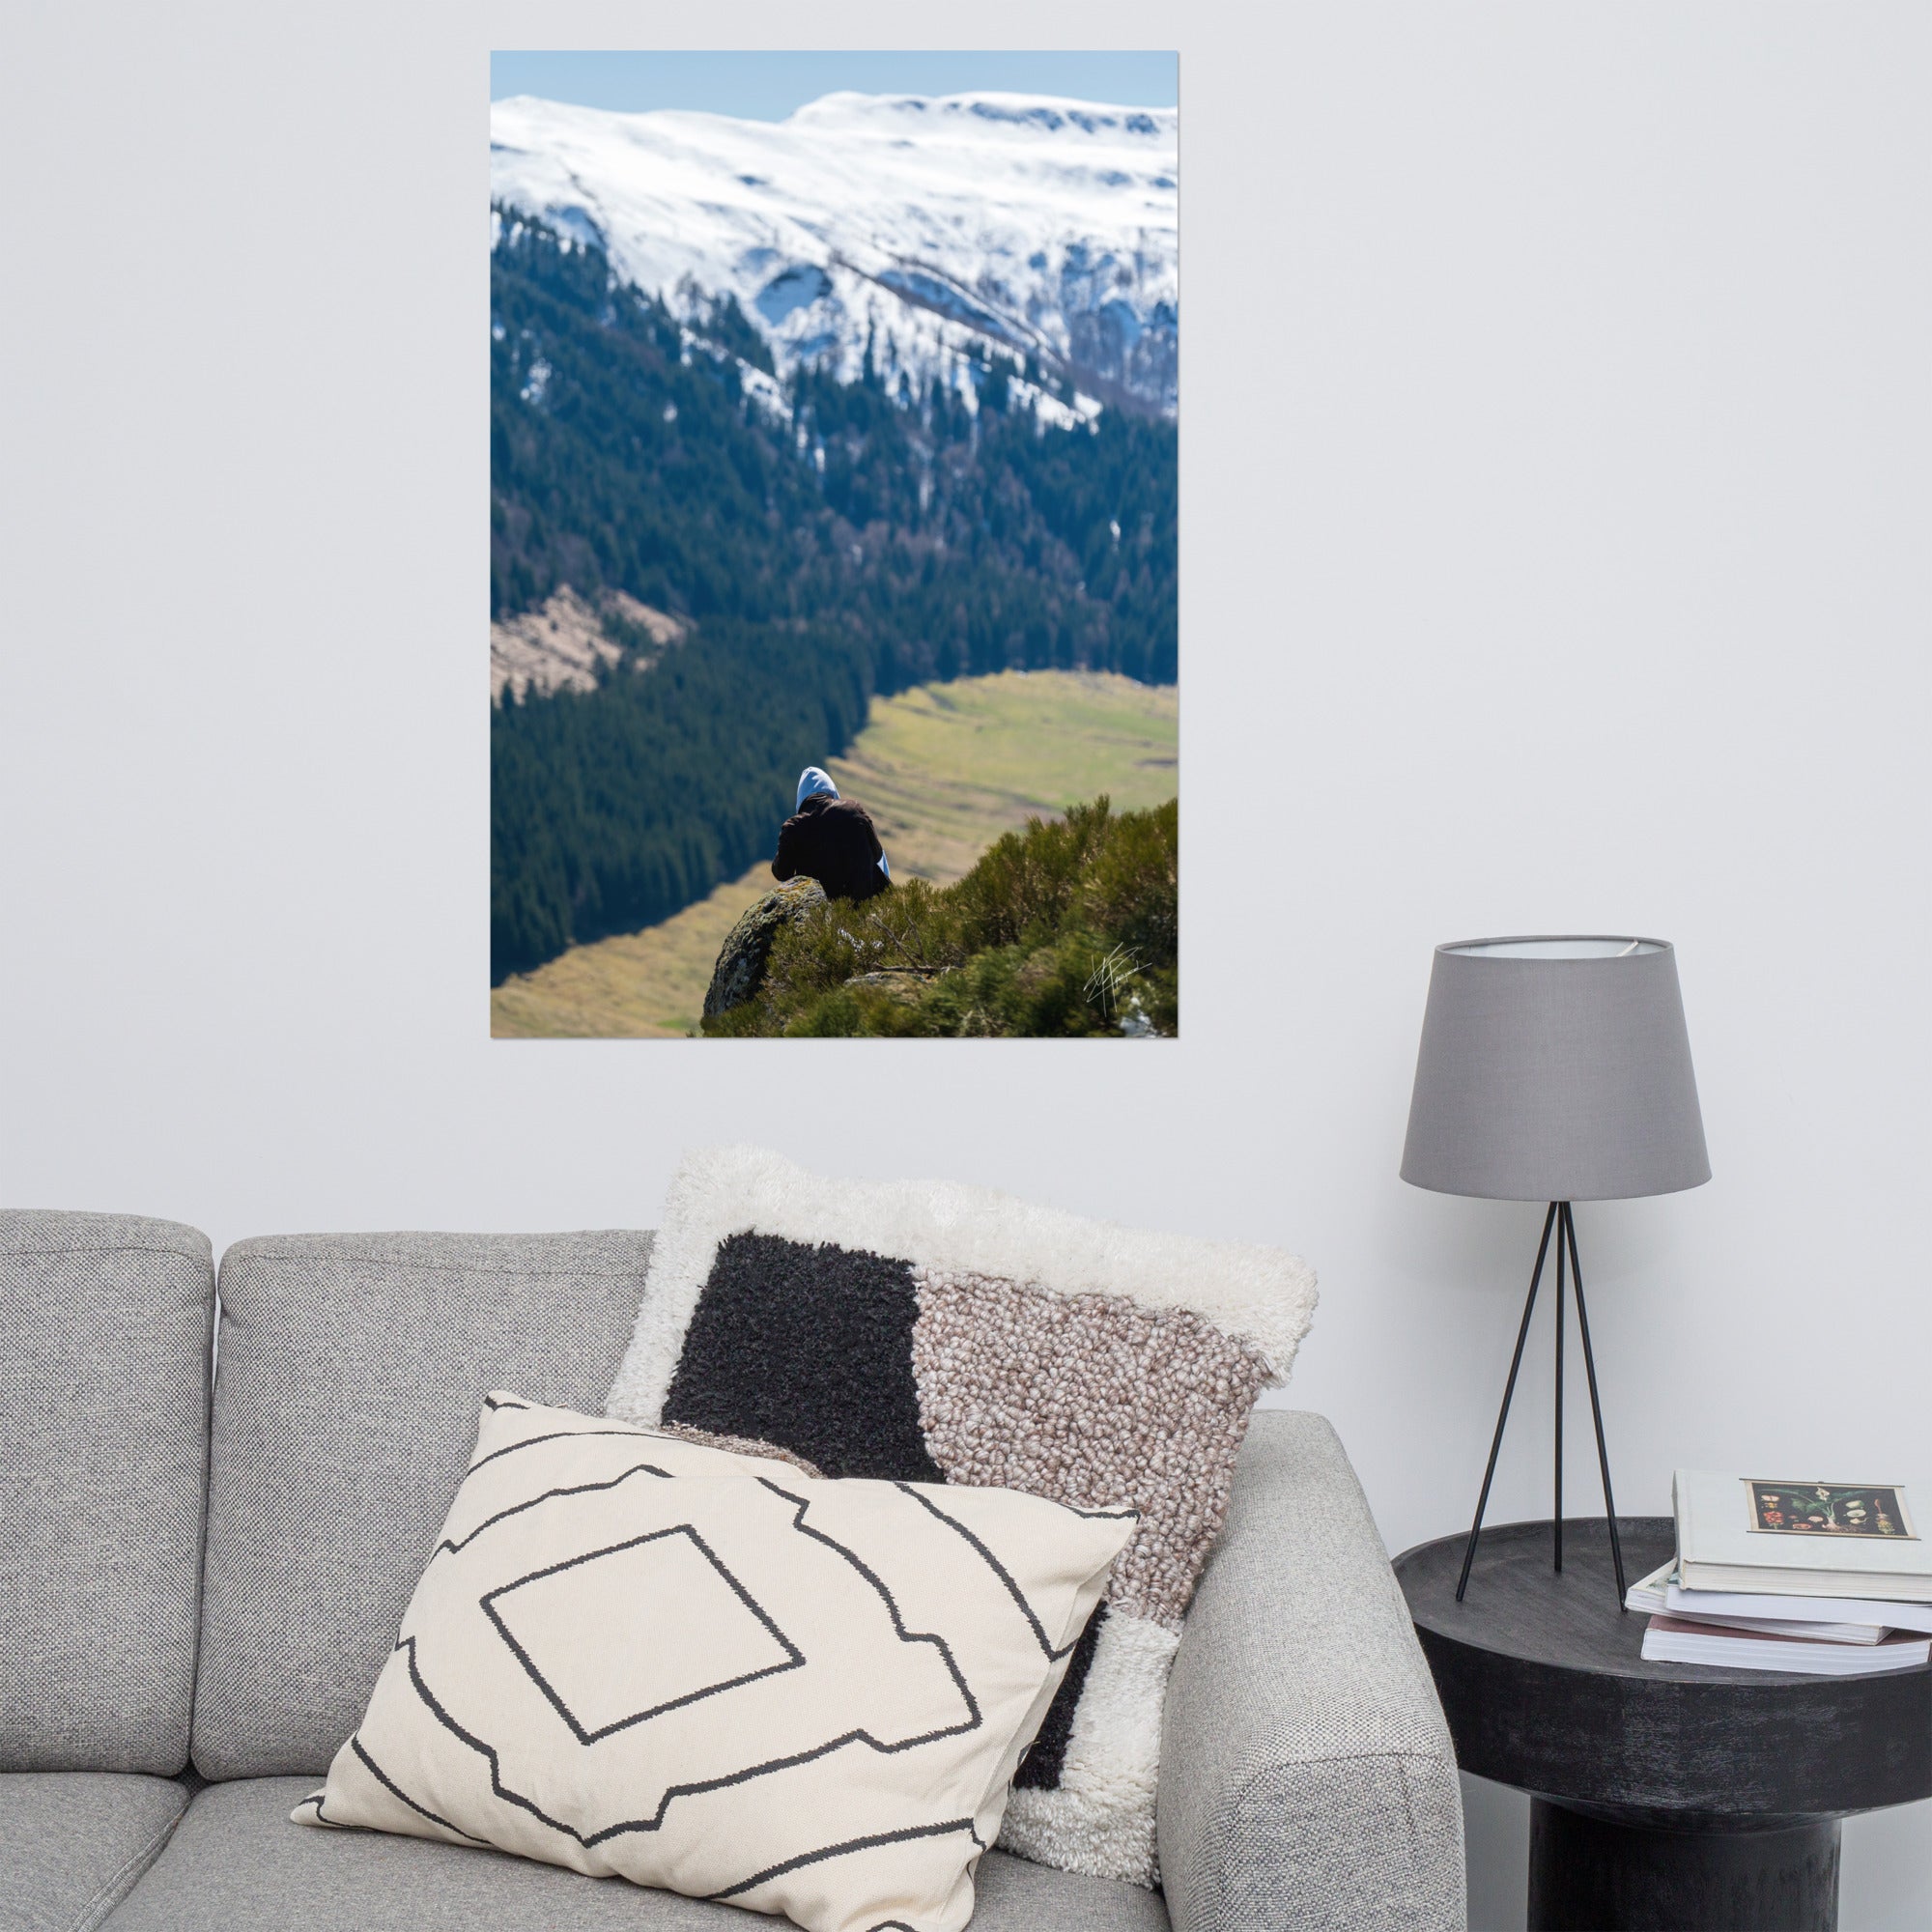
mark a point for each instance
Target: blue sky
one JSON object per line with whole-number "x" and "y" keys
{"x": 760, "y": 86}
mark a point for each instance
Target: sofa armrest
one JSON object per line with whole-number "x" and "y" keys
{"x": 1307, "y": 1780}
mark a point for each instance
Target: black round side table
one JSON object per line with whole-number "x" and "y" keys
{"x": 1670, "y": 1796}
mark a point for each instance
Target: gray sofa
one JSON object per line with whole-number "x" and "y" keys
{"x": 201, "y": 1573}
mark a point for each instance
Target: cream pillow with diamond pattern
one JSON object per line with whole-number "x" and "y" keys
{"x": 642, "y": 1656}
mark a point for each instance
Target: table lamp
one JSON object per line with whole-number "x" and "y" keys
{"x": 1554, "y": 1070}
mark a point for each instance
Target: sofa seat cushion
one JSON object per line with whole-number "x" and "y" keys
{"x": 237, "y": 1864}
{"x": 71, "y": 1842}
{"x": 103, "y": 1410}
{"x": 345, "y": 1406}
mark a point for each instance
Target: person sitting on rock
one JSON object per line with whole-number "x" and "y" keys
{"x": 831, "y": 840}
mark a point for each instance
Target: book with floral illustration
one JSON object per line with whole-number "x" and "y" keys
{"x": 1812, "y": 1537}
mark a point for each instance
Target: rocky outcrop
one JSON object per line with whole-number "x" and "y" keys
{"x": 740, "y": 960}
{"x": 565, "y": 644}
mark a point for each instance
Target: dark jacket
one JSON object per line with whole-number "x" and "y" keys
{"x": 831, "y": 840}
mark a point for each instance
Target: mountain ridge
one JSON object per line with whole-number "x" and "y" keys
{"x": 911, "y": 233}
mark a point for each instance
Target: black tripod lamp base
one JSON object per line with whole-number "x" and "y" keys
{"x": 1562, "y": 1224}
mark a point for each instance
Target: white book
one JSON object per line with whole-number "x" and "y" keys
{"x": 1659, "y": 1596}
{"x": 1854, "y": 1612}
{"x": 1671, "y": 1640}
{"x": 1804, "y": 1538}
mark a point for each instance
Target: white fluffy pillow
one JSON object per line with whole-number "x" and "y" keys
{"x": 934, "y": 1333}
{"x": 633, "y": 1654}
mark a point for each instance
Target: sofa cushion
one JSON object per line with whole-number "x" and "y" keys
{"x": 351, "y": 1368}
{"x": 71, "y": 1842}
{"x": 103, "y": 1409}
{"x": 237, "y": 1864}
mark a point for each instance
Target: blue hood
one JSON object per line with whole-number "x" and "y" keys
{"x": 810, "y": 781}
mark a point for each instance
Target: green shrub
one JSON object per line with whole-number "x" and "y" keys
{"x": 1132, "y": 891}
{"x": 1068, "y": 929}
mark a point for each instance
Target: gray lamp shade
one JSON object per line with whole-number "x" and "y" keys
{"x": 1555, "y": 1069}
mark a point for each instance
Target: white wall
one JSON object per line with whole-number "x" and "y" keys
{"x": 1556, "y": 499}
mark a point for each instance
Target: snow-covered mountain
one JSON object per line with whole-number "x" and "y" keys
{"x": 926, "y": 226}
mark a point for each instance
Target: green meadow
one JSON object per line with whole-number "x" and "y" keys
{"x": 944, "y": 769}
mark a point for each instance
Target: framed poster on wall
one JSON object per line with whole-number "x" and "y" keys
{"x": 833, "y": 654}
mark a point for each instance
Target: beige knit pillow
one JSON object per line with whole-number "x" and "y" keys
{"x": 636, "y": 1654}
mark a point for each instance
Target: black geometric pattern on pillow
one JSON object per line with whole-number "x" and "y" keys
{"x": 945, "y": 1828}
{"x": 504, "y": 1615}
{"x": 970, "y": 1721}
{"x": 808, "y": 1348}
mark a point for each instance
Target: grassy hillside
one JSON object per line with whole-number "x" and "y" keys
{"x": 945, "y": 769}
{"x": 1068, "y": 929}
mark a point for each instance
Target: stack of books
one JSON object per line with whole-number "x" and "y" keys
{"x": 1826, "y": 1578}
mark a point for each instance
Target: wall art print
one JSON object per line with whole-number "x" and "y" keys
{"x": 835, "y": 642}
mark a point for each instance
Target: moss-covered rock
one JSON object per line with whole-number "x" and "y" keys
{"x": 742, "y": 958}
